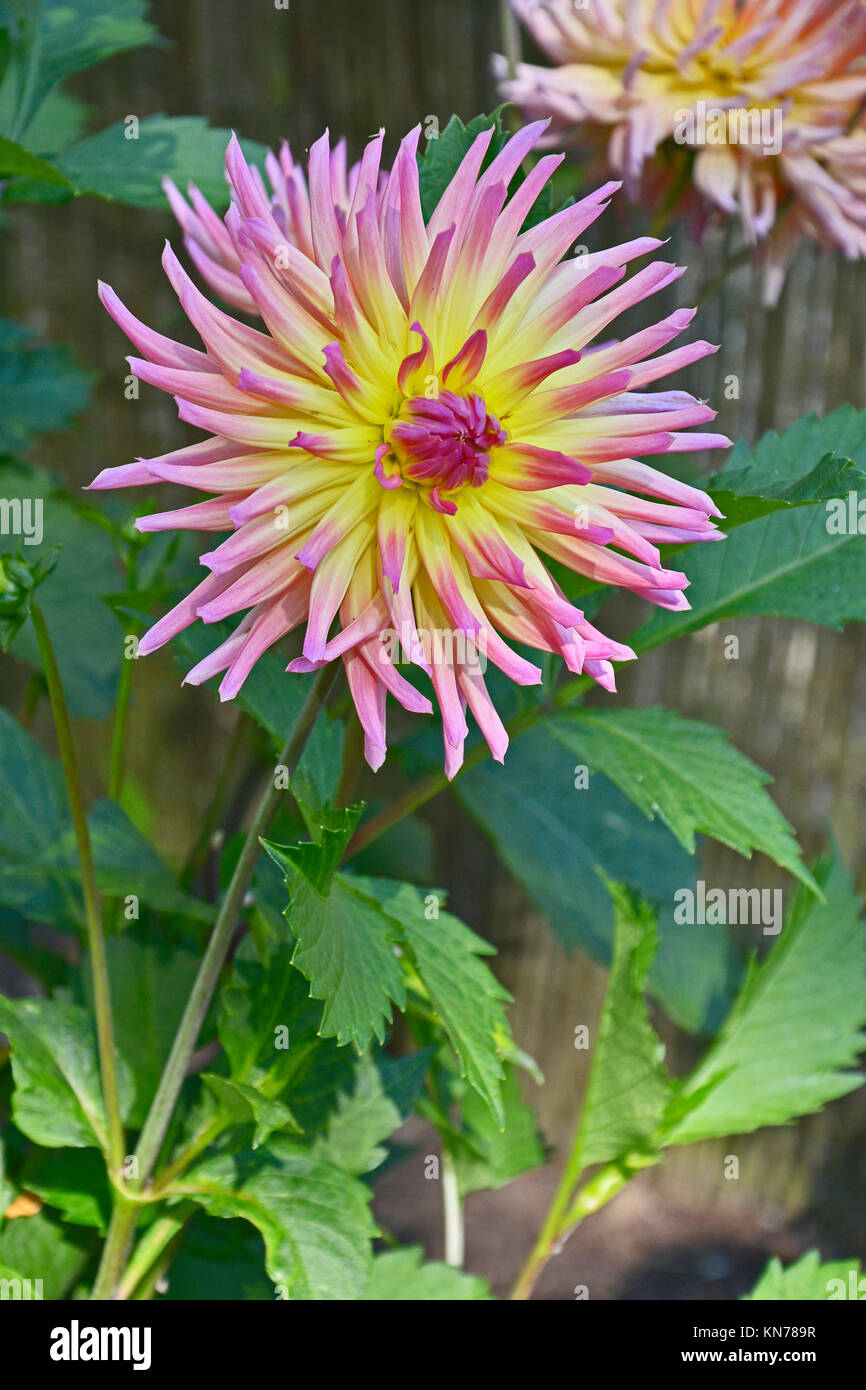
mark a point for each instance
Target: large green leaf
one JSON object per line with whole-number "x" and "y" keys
{"x": 72, "y": 35}
{"x": 126, "y": 864}
{"x": 150, "y": 980}
{"x": 489, "y": 1155}
{"x": 39, "y": 871}
{"x": 226, "y": 1258}
{"x": 130, "y": 170}
{"x": 39, "y": 1247}
{"x": 41, "y": 389}
{"x": 57, "y": 1099}
{"x": 686, "y": 773}
{"x": 628, "y": 1089}
{"x": 361, "y": 1122}
{"x": 16, "y": 160}
{"x": 269, "y": 1025}
{"x": 553, "y": 837}
{"x": 831, "y": 477}
{"x": 463, "y": 992}
{"x": 786, "y": 565}
{"x": 345, "y": 942}
{"x": 779, "y": 463}
{"x": 314, "y": 1218}
{"x": 792, "y": 1039}
{"x": 74, "y": 1181}
{"x": 401, "y": 1276}
{"x": 808, "y": 1279}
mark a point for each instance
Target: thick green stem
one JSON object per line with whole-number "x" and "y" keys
{"x": 92, "y": 916}
{"x": 568, "y": 1209}
{"x": 552, "y": 1230}
{"x": 164, "y": 1101}
{"x": 151, "y": 1250}
{"x": 120, "y": 1228}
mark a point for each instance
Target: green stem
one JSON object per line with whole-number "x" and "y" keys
{"x": 152, "y": 1248}
{"x": 202, "y": 1140}
{"x": 164, "y": 1101}
{"x": 510, "y": 36}
{"x": 92, "y": 916}
{"x": 120, "y": 1228}
{"x": 569, "y": 1207}
{"x": 552, "y": 1229}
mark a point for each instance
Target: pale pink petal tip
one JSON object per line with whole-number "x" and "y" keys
{"x": 374, "y": 753}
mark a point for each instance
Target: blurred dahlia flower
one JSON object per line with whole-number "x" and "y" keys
{"x": 769, "y": 93}
{"x": 419, "y": 418}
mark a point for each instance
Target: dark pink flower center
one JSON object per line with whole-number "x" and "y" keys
{"x": 445, "y": 442}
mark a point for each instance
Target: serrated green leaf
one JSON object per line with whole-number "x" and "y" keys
{"x": 345, "y": 943}
{"x": 487, "y": 1156}
{"x": 831, "y": 477}
{"x": 314, "y": 1218}
{"x": 780, "y": 462}
{"x": 440, "y": 161}
{"x": 57, "y": 1099}
{"x": 359, "y": 1124}
{"x": 268, "y": 1025}
{"x": 628, "y": 1088}
{"x": 793, "y": 1036}
{"x": 402, "y": 1276}
{"x": 786, "y": 565}
{"x": 808, "y": 1280}
{"x": 686, "y": 773}
{"x": 463, "y": 992}
{"x": 553, "y": 836}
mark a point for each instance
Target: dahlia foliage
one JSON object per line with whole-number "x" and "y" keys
{"x": 422, "y": 414}
{"x": 769, "y": 93}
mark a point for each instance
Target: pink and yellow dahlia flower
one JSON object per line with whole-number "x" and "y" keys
{"x": 767, "y": 94}
{"x": 422, "y": 415}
